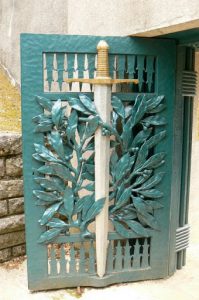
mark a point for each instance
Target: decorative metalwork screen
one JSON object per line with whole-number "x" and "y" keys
{"x": 60, "y": 66}
{"x": 59, "y": 123}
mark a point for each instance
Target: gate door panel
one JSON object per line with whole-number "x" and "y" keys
{"x": 60, "y": 125}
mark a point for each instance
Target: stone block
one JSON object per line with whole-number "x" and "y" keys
{"x": 5, "y": 254}
{"x": 11, "y": 223}
{"x": 12, "y": 239}
{"x": 3, "y": 208}
{"x": 14, "y": 166}
{"x": 2, "y": 167}
{"x": 10, "y": 144}
{"x": 19, "y": 250}
{"x": 11, "y": 188}
{"x": 16, "y": 205}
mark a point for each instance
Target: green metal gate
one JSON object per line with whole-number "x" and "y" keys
{"x": 59, "y": 123}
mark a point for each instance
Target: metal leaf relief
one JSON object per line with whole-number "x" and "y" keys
{"x": 134, "y": 181}
{"x": 66, "y": 176}
{"x": 68, "y": 166}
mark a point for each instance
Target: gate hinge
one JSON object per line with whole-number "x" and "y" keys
{"x": 189, "y": 82}
{"x": 182, "y": 237}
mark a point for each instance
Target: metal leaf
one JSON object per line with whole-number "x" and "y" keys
{"x": 127, "y": 133}
{"x": 137, "y": 228}
{"x": 153, "y": 193}
{"x": 149, "y": 220}
{"x": 47, "y": 196}
{"x": 154, "y": 161}
{"x": 43, "y": 127}
{"x": 158, "y": 109}
{"x": 87, "y": 175}
{"x": 141, "y": 137}
{"x": 142, "y": 178}
{"x": 89, "y": 187}
{"x": 42, "y": 118}
{"x": 77, "y": 105}
{"x": 155, "y": 139}
{"x": 49, "y": 235}
{"x": 118, "y": 106}
{"x": 120, "y": 189}
{"x": 44, "y": 153}
{"x": 90, "y": 168}
{"x": 81, "y": 203}
{"x": 78, "y": 206}
{"x": 57, "y": 170}
{"x": 89, "y": 200}
{"x": 90, "y": 159}
{"x": 138, "y": 110}
{"x": 50, "y": 185}
{"x": 72, "y": 125}
{"x": 81, "y": 128}
{"x": 114, "y": 158}
{"x": 121, "y": 166}
{"x": 42, "y": 203}
{"x": 68, "y": 201}
{"x": 38, "y": 157}
{"x": 55, "y": 141}
{"x": 153, "y": 204}
{"x": 139, "y": 204}
{"x": 68, "y": 151}
{"x": 153, "y": 181}
{"x": 154, "y": 120}
{"x": 141, "y": 157}
{"x": 130, "y": 215}
{"x": 57, "y": 223}
{"x": 91, "y": 127}
{"x": 121, "y": 229}
{"x": 154, "y": 102}
{"x": 94, "y": 210}
{"x": 57, "y": 113}
{"x": 44, "y": 102}
{"x": 49, "y": 213}
{"x": 124, "y": 198}
{"x": 88, "y": 103}
{"x": 90, "y": 145}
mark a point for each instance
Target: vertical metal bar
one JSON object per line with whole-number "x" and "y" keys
{"x": 91, "y": 258}
{"x": 62, "y": 261}
{"x": 110, "y": 258}
{"x": 186, "y": 157}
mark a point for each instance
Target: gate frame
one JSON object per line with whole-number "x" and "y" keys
{"x": 32, "y": 84}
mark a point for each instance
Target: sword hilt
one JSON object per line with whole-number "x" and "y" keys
{"x": 103, "y": 76}
{"x": 102, "y": 60}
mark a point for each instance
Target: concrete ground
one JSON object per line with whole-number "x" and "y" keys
{"x": 183, "y": 285}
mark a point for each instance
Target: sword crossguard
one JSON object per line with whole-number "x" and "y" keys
{"x": 101, "y": 81}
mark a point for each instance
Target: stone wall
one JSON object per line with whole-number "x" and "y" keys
{"x": 12, "y": 231}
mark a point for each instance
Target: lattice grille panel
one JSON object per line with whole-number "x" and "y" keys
{"x": 128, "y": 254}
{"x": 59, "y": 66}
{"x": 80, "y": 257}
{"x": 71, "y": 258}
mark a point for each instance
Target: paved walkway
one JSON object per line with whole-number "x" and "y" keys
{"x": 183, "y": 285}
